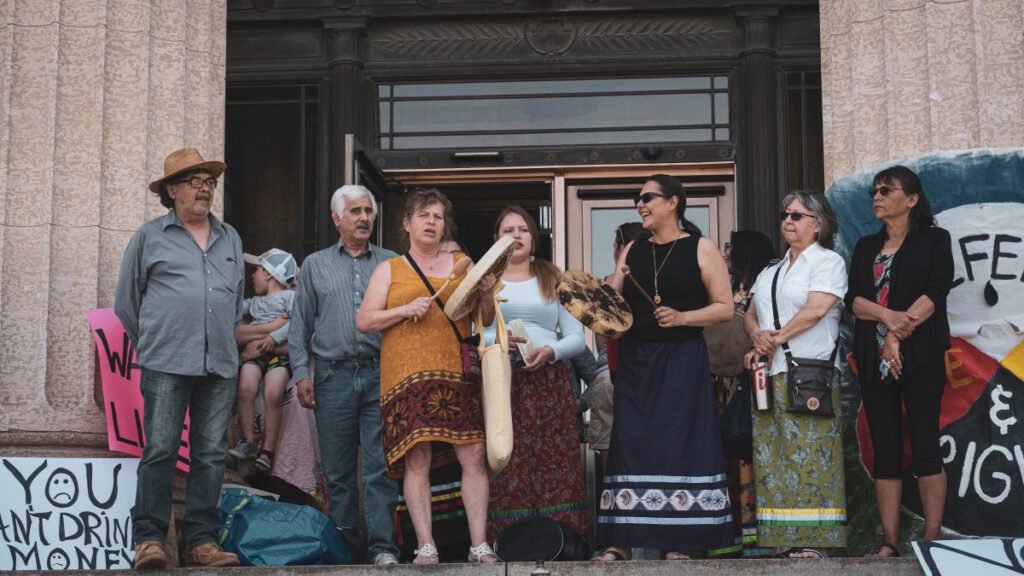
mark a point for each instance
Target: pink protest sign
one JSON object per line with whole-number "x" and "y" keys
{"x": 122, "y": 398}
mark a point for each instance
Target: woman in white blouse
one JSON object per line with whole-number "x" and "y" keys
{"x": 544, "y": 476}
{"x": 798, "y": 459}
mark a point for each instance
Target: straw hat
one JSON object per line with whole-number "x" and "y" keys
{"x": 184, "y": 160}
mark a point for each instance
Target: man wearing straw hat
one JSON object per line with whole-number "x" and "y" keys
{"x": 179, "y": 297}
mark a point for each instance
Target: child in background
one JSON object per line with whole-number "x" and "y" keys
{"x": 275, "y": 272}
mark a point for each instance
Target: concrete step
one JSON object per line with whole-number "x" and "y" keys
{"x": 906, "y": 566}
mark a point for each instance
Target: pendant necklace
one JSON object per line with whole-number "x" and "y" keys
{"x": 430, "y": 266}
{"x": 657, "y": 269}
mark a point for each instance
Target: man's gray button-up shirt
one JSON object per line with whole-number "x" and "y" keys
{"x": 181, "y": 305}
{"x": 331, "y": 288}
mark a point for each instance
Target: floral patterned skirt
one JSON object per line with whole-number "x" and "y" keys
{"x": 431, "y": 406}
{"x": 544, "y": 476}
{"x": 798, "y": 464}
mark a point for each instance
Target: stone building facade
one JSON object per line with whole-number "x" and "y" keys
{"x": 94, "y": 94}
{"x": 907, "y": 77}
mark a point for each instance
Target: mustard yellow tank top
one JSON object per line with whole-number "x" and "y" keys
{"x": 430, "y": 344}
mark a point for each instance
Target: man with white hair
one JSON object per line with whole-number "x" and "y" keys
{"x": 344, "y": 391}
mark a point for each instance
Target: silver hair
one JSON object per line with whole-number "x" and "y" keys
{"x": 351, "y": 192}
{"x": 821, "y": 210}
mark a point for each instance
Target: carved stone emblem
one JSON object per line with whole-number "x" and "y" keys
{"x": 550, "y": 37}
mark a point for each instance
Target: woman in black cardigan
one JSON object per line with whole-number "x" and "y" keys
{"x": 899, "y": 280}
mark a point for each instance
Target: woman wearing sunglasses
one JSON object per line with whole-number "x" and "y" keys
{"x": 798, "y": 458}
{"x": 899, "y": 280}
{"x": 665, "y": 485}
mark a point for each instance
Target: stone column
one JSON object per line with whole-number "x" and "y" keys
{"x": 93, "y": 95}
{"x": 757, "y": 163}
{"x": 907, "y": 77}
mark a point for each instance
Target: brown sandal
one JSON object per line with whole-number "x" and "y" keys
{"x": 265, "y": 461}
{"x": 801, "y": 554}
{"x": 615, "y": 553}
{"x": 674, "y": 555}
{"x": 893, "y": 549}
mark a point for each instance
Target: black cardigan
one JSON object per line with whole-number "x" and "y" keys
{"x": 922, "y": 265}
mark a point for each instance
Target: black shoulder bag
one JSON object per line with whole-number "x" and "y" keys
{"x": 540, "y": 538}
{"x": 467, "y": 347}
{"x": 808, "y": 380}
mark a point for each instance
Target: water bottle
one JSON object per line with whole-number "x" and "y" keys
{"x": 540, "y": 570}
{"x": 762, "y": 384}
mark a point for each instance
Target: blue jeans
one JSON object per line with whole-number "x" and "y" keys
{"x": 167, "y": 396}
{"x": 347, "y": 412}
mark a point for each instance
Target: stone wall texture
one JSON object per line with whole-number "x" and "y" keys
{"x": 93, "y": 95}
{"x": 907, "y": 77}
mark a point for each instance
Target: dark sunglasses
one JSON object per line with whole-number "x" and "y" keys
{"x": 883, "y": 190}
{"x": 646, "y": 198}
{"x": 795, "y": 216}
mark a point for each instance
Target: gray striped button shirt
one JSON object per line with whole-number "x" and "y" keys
{"x": 331, "y": 287}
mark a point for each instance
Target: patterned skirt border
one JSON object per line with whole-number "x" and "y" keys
{"x": 430, "y": 406}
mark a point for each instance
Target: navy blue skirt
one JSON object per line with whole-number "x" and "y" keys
{"x": 665, "y": 486}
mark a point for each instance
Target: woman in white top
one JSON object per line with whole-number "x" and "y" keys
{"x": 544, "y": 476}
{"x": 798, "y": 459}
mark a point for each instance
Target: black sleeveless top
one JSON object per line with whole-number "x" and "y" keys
{"x": 679, "y": 285}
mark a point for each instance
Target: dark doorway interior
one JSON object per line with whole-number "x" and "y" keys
{"x": 271, "y": 149}
{"x": 477, "y": 207}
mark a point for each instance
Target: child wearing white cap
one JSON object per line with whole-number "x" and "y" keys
{"x": 274, "y": 275}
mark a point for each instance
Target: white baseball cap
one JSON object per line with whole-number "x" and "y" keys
{"x": 278, "y": 263}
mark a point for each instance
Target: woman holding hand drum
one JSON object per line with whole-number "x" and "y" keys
{"x": 430, "y": 412}
{"x": 665, "y": 485}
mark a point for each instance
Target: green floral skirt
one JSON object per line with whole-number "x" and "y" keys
{"x": 798, "y": 469}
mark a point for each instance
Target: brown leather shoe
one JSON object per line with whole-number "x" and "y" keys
{"x": 210, "y": 554}
{"x": 151, "y": 555}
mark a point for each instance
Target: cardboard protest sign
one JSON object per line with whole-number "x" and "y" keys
{"x": 978, "y": 196}
{"x": 122, "y": 397}
{"x": 66, "y": 513}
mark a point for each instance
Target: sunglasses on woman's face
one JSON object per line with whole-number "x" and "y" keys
{"x": 646, "y": 198}
{"x": 795, "y": 216}
{"x": 883, "y": 190}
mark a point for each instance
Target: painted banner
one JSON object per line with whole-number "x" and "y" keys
{"x": 977, "y": 196}
{"x": 66, "y": 513}
{"x": 983, "y": 557}
{"x": 122, "y": 397}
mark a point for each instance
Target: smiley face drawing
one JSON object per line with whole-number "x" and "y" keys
{"x": 58, "y": 560}
{"x": 62, "y": 488}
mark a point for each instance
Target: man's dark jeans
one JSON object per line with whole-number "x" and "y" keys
{"x": 348, "y": 417}
{"x": 210, "y": 399}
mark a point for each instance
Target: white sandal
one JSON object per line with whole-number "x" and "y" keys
{"x": 483, "y": 554}
{"x": 426, "y": 555}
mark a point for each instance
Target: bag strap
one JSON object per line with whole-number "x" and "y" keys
{"x": 500, "y": 330}
{"x": 230, "y": 519}
{"x": 778, "y": 325}
{"x": 430, "y": 288}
